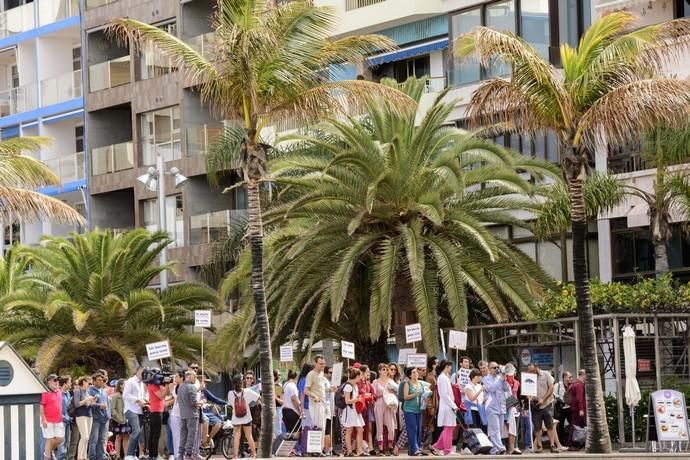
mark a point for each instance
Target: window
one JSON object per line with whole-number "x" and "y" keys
{"x": 682, "y": 8}
{"x": 534, "y": 25}
{"x": 76, "y": 58}
{"x": 152, "y": 63}
{"x": 15, "y": 76}
{"x": 466, "y": 71}
{"x": 173, "y": 216}
{"x": 160, "y": 134}
{"x": 542, "y": 146}
{"x": 632, "y": 249}
{"x": 79, "y": 138}
{"x": 402, "y": 70}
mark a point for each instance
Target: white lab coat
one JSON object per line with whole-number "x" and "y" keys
{"x": 446, "y": 402}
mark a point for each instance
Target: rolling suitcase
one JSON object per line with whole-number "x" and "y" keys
{"x": 477, "y": 441}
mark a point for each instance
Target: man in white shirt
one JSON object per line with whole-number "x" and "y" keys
{"x": 314, "y": 389}
{"x": 135, "y": 399}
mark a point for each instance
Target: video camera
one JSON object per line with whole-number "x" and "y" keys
{"x": 156, "y": 377}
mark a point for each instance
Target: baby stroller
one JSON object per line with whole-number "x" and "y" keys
{"x": 110, "y": 452}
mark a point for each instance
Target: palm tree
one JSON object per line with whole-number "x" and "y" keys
{"x": 86, "y": 301}
{"x": 670, "y": 198}
{"x": 20, "y": 176}
{"x": 399, "y": 209}
{"x": 608, "y": 90}
{"x": 267, "y": 67}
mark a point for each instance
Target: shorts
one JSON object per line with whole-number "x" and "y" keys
{"x": 53, "y": 430}
{"x": 213, "y": 419}
{"x": 542, "y": 415}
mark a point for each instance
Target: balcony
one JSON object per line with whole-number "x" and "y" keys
{"x": 56, "y": 10}
{"x": 18, "y": 100}
{"x": 213, "y": 226}
{"x": 109, "y": 74}
{"x": 112, "y": 158}
{"x": 200, "y": 138}
{"x": 203, "y": 44}
{"x": 68, "y": 168}
{"x": 61, "y": 88}
{"x": 171, "y": 150}
{"x": 366, "y": 16}
{"x": 17, "y": 20}
{"x": 90, "y": 4}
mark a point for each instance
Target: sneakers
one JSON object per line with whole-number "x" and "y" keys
{"x": 467, "y": 451}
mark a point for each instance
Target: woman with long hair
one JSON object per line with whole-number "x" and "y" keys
{"x": 240, "y": 399}
{"x": 83, "y": 403}
{"x": 446, "y": 409}
{"x": 350, "y": 418}
{"x": 411, "y": 406}
{"x": 385, "y": 409}
{"x": 121, "y": 428}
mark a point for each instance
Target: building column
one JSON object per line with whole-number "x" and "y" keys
{"x": 603, "y": 225}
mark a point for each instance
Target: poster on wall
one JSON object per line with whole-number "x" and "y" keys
{"x": 670, "y": 415}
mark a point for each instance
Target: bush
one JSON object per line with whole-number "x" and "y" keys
{"x": 648, "y": 295}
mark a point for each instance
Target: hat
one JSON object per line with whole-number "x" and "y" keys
{"x": 51, "y": 377}
{"x": 357, "y": 365}
{"x": 510, "y": 369}
{"x": 113, "y": 383}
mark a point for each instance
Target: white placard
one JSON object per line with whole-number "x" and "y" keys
{"x": 347, "y": 349}
{"x": 202, "y": 318}
{"x": 464, "y": 377}
{"x": 403, "y": 354}
{"x": 285, "y": 448}
{"x": 457, "y": 340}
{"x": 286, "y": 355}
{"x": 158, "y": 350}
{"x": 315, "y": 442}
{"x": 416, "y": 360}
{"x": 337, "y": 375}
{"x": 413, "y": 333}
{"x": 528, "y": 384}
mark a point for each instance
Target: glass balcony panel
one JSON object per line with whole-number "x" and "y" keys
{"x": 17, "y": 20}
{"x": 89, "y": 4}
{"x": 61, "y": 88}
{"x": 109, "y": 74}
{"x": 17, "y": 100}
{"x": 68, "y": 168}
{"x": 55, "y": 10}
{"x": 112, "y": 158}
{"x": 168, "y": 150}
{"x": 213, "y": 226}
{"x": 199, "y": 138}
{"x": 203, "y": 44}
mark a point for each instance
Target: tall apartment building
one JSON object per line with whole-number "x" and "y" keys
{"x": 137, "y": 108}
{"x": 619, "y": 246}
{"x": 41, "y": 94}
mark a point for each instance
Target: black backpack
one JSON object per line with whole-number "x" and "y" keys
{"x": 340, "y": 397}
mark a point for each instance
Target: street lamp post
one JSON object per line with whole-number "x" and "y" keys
{"x": 154, "y": 180}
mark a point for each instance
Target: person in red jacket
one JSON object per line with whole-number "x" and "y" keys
{"x": 578, "y": 404}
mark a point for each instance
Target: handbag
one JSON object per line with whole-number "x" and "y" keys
{"x": 511, "y": 401}
{"x": 579, "y": 435}
{"x": 390, "y": 400}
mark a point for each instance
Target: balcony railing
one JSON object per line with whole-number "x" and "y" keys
{"x": 68, "y": 168}
{"x": 61, "y": 88}
{"x": 18, "y": 100}
{"x": 171, "y": 150}
{"x": 433, "y": 84}
{"x": 355, "y": 4}
{"x": 17, "y": 20}
{"x": 628, "y": 159}
{"x": 109, "y": 74}
{"x": 89, "y": 4}
{"x": 199, "y": 138}
{"x": 112, "y": 158}
{"x": 213, "y": 226}
{"x": 50, "y": 11}
{"x": 203, "y": 44}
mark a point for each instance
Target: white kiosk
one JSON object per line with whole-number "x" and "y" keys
{"x": 20, "y": 398}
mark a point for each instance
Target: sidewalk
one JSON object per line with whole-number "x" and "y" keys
{"x": 568, "y": 455}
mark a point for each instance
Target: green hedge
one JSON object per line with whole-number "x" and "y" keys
{"x": 648, "y": 295}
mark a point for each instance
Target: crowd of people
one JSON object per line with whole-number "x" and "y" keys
{"x": 432, "y": 410}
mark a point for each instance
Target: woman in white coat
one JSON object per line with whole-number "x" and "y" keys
{"x": 446, "y": 409}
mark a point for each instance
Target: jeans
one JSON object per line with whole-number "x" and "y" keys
{"x": 413, "y": 425}
{"x": 169, "y": 444}
{"x": 495, "y": 432}
{"x": 529, "y": 432}
{"x": 133, "y": 420}
{"x": 99, "y": 431}
{"x": 156, "y": 420}
{"x": 64, "y": 446}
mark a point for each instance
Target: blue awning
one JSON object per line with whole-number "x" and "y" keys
{"x": 411, "y": 51}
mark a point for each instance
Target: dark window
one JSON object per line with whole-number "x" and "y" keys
{"x": 682, "y": 8}
{"x": 401, "y": 70}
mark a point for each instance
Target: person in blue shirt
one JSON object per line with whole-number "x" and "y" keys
{"x": 66, "y": 385}
{"x": 100, "y": 411}
{"x": 495, "y": 388}
{"x": 214, "y": 422}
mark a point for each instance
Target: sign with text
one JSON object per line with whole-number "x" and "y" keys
{"x": 464, "y": 377}
{"x": 670, "y": 415}
{"x": 528, "y": 384}
{"x": 413, "y": 333}
{"x": 315, "y": 442}
{"x": 416, "y": 360}
{"x": 202, "y": 318}
{"x": 403, "y": 354}
{"x": 158, "y": 350}
{"x": 337, "y": 375}
{"x": 457, "y": 340}
{"x": 286, "y": 355}
{"x": 347, "y": 349}
{"x": 644, "y": 365}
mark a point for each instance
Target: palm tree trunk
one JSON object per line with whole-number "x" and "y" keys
{"x": 263, "y": 329}
{"x": 598, "y": 440}
{"x": 661, "y": 234}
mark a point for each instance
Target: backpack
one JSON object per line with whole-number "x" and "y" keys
{"x": 340, "y": 397}
{"x": 72, "y": 406}
{"x": 239, "y": 408}
{"x": 401, "y": 392}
